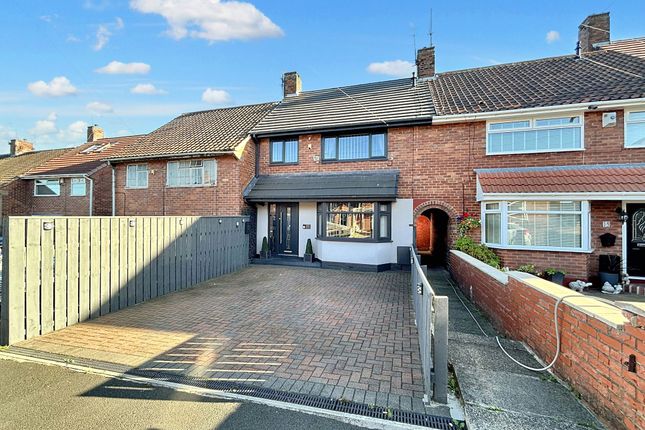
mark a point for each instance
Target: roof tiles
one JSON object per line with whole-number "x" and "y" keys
{"x": 610, "y": 178}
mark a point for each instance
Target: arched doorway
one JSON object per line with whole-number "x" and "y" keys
{"x": 432, "y": 236}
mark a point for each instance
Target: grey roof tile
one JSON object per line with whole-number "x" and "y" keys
{"x": 375, "y": 104}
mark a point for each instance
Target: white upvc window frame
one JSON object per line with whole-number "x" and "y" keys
{"x": 71, "y": 187}
{"x": 532, "y": 121}
{"x": 127, "y": 176}
{"x": 36, "y": 181}
{"x": 626, "y": 122}
{"x": 204, "y": 183}
{"x": 585, "y": 227}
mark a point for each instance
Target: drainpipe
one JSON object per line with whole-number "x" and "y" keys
{"x": 91, "y": 181}
{"x": 113, "y": 190}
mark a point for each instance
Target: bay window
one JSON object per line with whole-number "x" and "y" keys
{"x": 354, "y": 147}
{"x": 535, "y": 135}
{"x": 635, "y": 129}
{"x": 543, "y": 225}
{"x": 362, "y": 221}
{"x": 191, "y": 173}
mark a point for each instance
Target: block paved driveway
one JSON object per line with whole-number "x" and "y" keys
{"x": 333, "y": 333}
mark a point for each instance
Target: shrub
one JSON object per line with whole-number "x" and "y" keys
{"x": 551, "y": 271}
{"x": 478, "y": 251}
{"x": 467, "y": 223}
{"x": 528, "y": 268}
{"x": 309, "y": 249}
{"x": 265, "y": 244}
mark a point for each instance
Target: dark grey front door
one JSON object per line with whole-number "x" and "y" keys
{"x": 636, "y": 240}
{"x": 283, "y": 228}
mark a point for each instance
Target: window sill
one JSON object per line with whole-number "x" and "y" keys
{"x": 546, "y": 151}
{"x": 634, "y": 146}
{"x": 353, "y": 240}
{"x": 357, "y": 160}
{"x": 46, "y": 195}
{"x": 136, "y": 188}
{"x": 191, "y": 186}
{"x": 84, "y": 195}
{"x": 540, "y": 248}
{"x": 271, "y": 163}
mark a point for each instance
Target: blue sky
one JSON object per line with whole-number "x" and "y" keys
{"x": 132, "y": 65}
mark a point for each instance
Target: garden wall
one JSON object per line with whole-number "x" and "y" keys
{"x": 597, "y": 338}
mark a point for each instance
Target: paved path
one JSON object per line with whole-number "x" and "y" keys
{"x": 497, "y": 393}
{"x": 332, "y": 333}
{"x": 34, "y": 396}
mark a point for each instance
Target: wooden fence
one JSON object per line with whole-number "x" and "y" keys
{"x": 63, "y": 270}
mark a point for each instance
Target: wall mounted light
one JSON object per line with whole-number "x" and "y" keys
{"x": 48, "y": 225}
{"x": 623, "y": 216}
{"x": 132, "y": 222}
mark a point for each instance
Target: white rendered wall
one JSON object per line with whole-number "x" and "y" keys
{"x": 262, "y": 225}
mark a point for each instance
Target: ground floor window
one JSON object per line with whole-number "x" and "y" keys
{"x": 369, "y": 221}
{"x": 526, "y": 224}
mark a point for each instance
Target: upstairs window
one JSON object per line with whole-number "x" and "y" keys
{"x": 191, "y": 173}
{"x": 284, "y": 151}
{"x": 635, "y": 129}
{"x": 354, "y": 147}
{"x": 46, "y": 187}
{"x": 535, "y": 135}
{"x": 137, "y": 176}
{"x": 77, "y": 187}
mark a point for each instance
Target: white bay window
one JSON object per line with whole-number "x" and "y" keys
{"x": 535, "y": 135}
{"x": 536, "y": 224}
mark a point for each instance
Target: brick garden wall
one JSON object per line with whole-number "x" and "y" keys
{"x": 592, "y": 351}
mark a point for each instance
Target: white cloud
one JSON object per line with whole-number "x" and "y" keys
{"x": 45, "y": 126}
{"x": 72, "y": 39}
{"x": 57, "y": 87}
{"x": 49, "y": 18}
{"x": 552, "y": 36}
{"x": 215, "y": 96}
{"x": 7, "y": 133}
{"x": 212, "y": 20}
{"x": 99, "y": 108}
{"x": 119, "y": 68}
{"x": 398, "y": 68}
{"x": 148, "y": 89}
{"x": 104, "y": 32}
{"x": 76, "y": 130}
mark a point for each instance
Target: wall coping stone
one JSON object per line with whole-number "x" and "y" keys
{"x": 496, "y": 274}
{"x": 591, "y": 306}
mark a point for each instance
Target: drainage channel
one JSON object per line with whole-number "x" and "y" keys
{"x": 336, "y": 405}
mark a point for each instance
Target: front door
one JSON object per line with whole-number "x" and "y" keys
{"x": 636, "y": 239}
{"x": 283, "y": 228}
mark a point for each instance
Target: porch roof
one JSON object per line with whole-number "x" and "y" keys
{"x": 370, "y": 185}
{"x": 597, "y": 181}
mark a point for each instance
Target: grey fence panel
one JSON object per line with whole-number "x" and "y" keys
{"x": 431, "y": 313}
{"x": 58, "y": 271}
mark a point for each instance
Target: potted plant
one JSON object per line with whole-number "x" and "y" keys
{"x": 609, "y": 269}
{"x": 309, "y": 252}
{"x": 555, "y": 275}
{"x": 264, "y": 253}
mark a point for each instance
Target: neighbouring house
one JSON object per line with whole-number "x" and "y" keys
{"x": 549, "y": 152}
{"x": 77, "y": 182}
{"x": 197, "y": 164}
{"x": 20, "y": 159}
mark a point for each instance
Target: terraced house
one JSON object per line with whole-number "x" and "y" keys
{"x": 550, "y": 153}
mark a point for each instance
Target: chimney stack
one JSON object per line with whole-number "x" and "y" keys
{"x": 593, "y": 31}
{"x": 94, "y": 133}
{"x": 291, "y": 84}
{"x": 19, "y": 147}
{"x": 425, "y": 63}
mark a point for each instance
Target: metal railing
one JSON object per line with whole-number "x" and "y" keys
{"x": 431, "y": 313}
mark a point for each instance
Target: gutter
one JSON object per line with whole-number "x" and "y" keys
{"x": 610, "y": 104}
{"x": 55, "y": 176}
{"x": 173, "y": 156}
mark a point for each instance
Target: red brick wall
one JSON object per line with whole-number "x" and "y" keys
{"x": 592, "y": 352}
{"x": 436, "y": 165}
{"x": 62, "y": 205}
{"x": 224, "y": 198}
